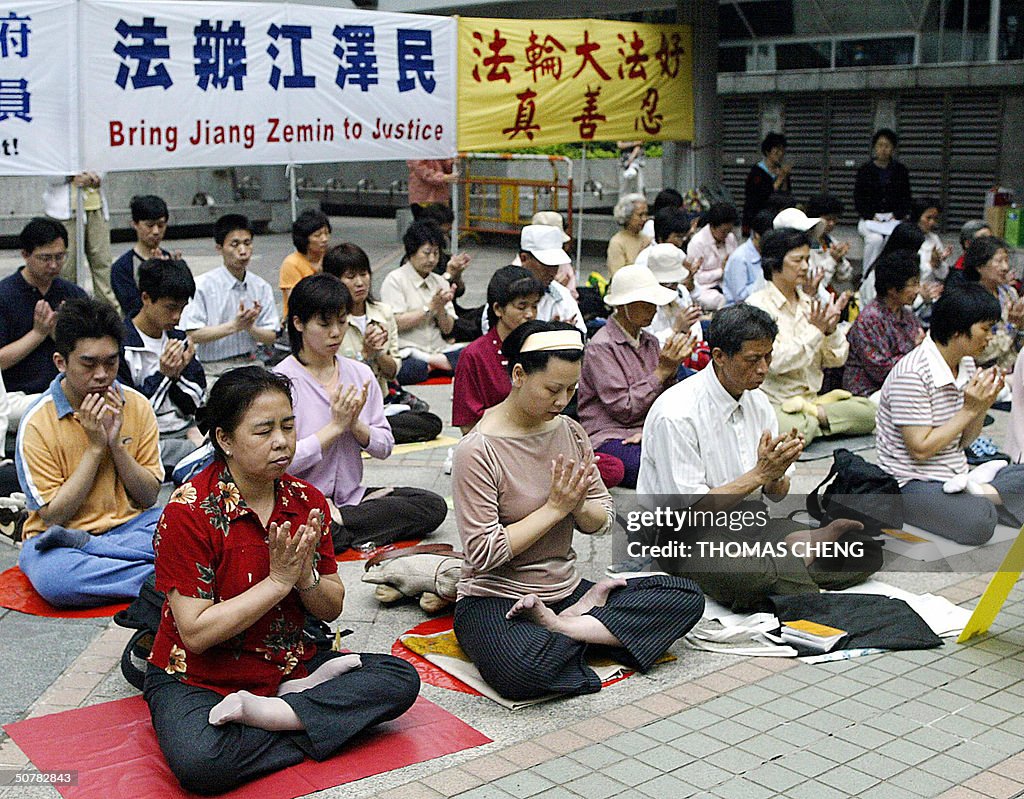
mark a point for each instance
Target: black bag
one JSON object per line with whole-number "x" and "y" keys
{"x": 857, "y": 490}
{"x": 143, "y": 616}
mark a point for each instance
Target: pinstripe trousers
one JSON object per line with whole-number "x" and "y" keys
{"x": 522, "y": 660}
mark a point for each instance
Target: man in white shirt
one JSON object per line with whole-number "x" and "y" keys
{"x": 541, "y": 252}
{"x": 234, "y": 310}
{"x": 712, "y": 441}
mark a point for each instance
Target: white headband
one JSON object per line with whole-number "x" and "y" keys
{"x": 550, "y": 340}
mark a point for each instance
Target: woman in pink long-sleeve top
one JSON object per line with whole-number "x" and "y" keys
{"x": 713, "y": 244}
{"x": 522, "y": 480}
{"x": 339, "y": 412}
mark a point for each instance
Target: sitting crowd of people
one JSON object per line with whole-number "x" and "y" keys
{"x": 712, "y": 368}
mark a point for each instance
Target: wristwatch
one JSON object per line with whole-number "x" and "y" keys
{"x": 311, "y": 586}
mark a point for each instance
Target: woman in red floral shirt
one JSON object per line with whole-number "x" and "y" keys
{"x": 234, "y": 687}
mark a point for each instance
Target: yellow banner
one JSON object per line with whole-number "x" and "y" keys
{"x": 526, "y": 83}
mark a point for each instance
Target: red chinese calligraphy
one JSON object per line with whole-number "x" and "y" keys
{"x": 541, "y": 57}
{"x": 649, "y": 119}
{"x": 524, "y": 116}
{"x": 586, "y": 50}
{"x": 632, "y": 65}
{"x": 588, "y": 117}
{"x": 495, "y": 62}
{"x": 670, "y": 55}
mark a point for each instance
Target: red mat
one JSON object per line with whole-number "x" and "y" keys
{"x": 356, "y": 554}
{"x": 114, "y": 749}
{"x": 437, "y": 380}
{"x": 17, "y": 593}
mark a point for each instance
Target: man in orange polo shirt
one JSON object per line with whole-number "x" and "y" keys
{"x": 88, "y": 460}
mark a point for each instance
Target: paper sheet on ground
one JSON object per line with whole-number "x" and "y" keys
{"x": 935, "y": 547}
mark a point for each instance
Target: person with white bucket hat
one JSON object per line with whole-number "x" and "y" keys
{"x": 666, "y": 262}
{"x": 625, "y": 369}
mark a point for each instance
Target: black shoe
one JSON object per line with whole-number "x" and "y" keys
{"x": 403, "y": 397}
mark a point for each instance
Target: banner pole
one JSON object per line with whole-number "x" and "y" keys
{"x": 292, "y": 190}
{"x": 579, "y": 226}
{"x": 456, "y": 161}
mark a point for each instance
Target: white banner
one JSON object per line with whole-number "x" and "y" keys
{"x": 38, "y": 113}
{"x": 187, "y": 84}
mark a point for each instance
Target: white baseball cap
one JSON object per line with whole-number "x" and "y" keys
{"x": 552, "y": 218}
{"x": 666, "y": 263}
{"x": 795, "y": 218}
{"x": 544, "y": 242}
{"x": 636, "y": 283}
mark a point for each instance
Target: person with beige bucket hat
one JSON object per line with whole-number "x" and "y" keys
{"x": 625, "y": 369}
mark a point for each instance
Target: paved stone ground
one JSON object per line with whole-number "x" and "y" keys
{"x": 946, "y": 722}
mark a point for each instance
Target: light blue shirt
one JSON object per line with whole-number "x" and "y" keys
{"x": 743, "y": 273}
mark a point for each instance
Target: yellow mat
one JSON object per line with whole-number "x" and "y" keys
{"x": 419, "y": 446}
{"x": 442, "y": 650}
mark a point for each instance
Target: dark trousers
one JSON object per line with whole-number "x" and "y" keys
{"x": 209, "y": 760}
{"x": 412, "y": 426}
{"x": 404, "y": 513}
{"x": 965, "y": 518}
{"x": 629, "y": 454}
{"x": 522, "y": 660}
{"x": 414, "y": 371}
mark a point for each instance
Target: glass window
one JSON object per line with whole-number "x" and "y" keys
{"x": 805, "y": 55}
{"x": 1011, "y": 30}
{"x": 875, "y": 52}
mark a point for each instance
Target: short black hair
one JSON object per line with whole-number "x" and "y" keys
{"x": 39, "y": 232}
{"x": 762, "y": 222}
{"x": 732, "y": 326}
{"x": 148, "y": 206}
{"x": 507, "y": 285}
{"x": 894, "y": 270}
{"x": 438, "y": 213}
{"x": 420, "y": 233}
{"x": 668, "y": 221}
{"x": 771, "y": 141}
{"x": 321, "y": 295}
{"x": 305, "y": 225}
{"x": 905, "y": 236}
{"x": 164, "y": 277}
{"x": 824, "y": 204}
{"x": 979, "y": 252}
{"x": 960, "y": 308}
{"x": 536, "y": 361}
{"x": 84, "y": 317}
{"x": 774, "y": 246}
{"x": 346, "y": 257}
{"x": 233, "y": 394}
{"x": 228, "y": 223}
{"x": 722, "y": 213}
{"x": 919, "y": 205}
{"x": 887, "y": 133}
{"x": 667, "y": 198}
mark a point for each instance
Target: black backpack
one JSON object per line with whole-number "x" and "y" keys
{"x": 143, "y": 616}
{"x": 857, "y": 490}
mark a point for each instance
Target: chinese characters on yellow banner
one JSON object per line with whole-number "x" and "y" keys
{"x": 526, "y": 83}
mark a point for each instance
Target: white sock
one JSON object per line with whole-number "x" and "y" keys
{"x": 955, "y": 485}
{"x": 986, "y": 472}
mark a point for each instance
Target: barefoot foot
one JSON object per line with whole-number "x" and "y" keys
{"x": 594, "y": 598}
{"x": 532, "y": 609}
{"x": 328, "y": 671}
{"x": 263, "y": 712}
